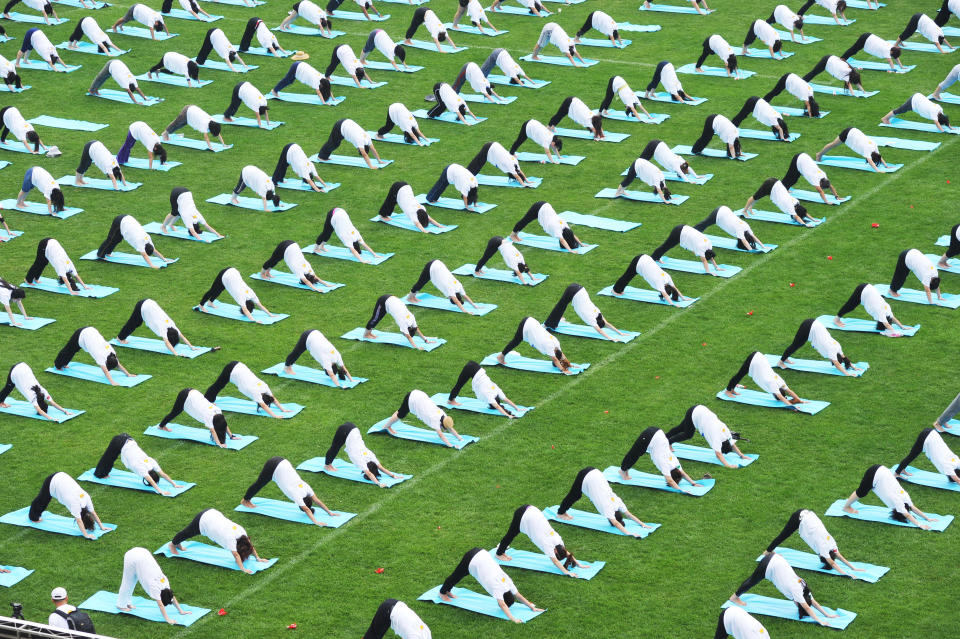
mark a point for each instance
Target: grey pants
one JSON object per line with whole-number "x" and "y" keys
{"x": 179, "y": 122}
{"x": 128, "y": 17}
{"x": 952, "y": 77}
{"x": 102, "y": 77}
{"x": 545, "y": 34}
{"x": 952, "y": 409}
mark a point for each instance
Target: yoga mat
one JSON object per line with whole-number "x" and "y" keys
{"x": 65, "y": 123}
{"x": 655, "y": 118}
{"x": 309, "y": 31}
{"x": 594, "y": 221}
{"x": 201, "y": 145}
{"x": 455, "y": 204}
{"x": 826, "y": 88}
{"x": 4, "y": 87}
{"x": 517, "y": 361}
{"x": 233, "y": 312}
{"x": 394, "y": 339}
{"x": 859, "y": 164}
{"x": 15, "y": 576}
{"x": 52, "y": 286}
{"x": 637, "y": 28}
{"x": 506, "y": 181}
{"x": 396, "y": 138}
{"x": 541, "y": 563}
{"x": 122, "y": 96}
{"x": 424, "y": 435}
{"x": 342, "y": 253}
{"x": 247, "y": 407}
{"x": 669, "y": 8}
{"x": 881, "y": 514}
{"x": 718, "y": 72}
{"x": 143, "y": 163}
{"x": 914, "y": 296}
{"x": 99, "y": 185}
{"x": 810, "y": 561}
{"x": 213, "y": 556}
{"x": 517, "y": 11}
{"x": 93, "y": 4}
{"x": 474, "y": 405}
{"x": 469, "y": 28}
{"x": 799, "y": 38}
{"x": 348, "y": 82}
{"x": 130, "y": 259}
{"x": 860, "y": 4}
{"x": 247, "y": 122}
{"x": 254, "y": 204}
{"x": 799, "y": 112}
{"x": 583, "y": 134}
{"x": 4, "y": 235}
{"x": 199, "y": 435}
{"x": 759, "y": 398}
{"x": 402, "y": 222}
{"x": 346, "y": 470}
{"x": 900, "y": 143}
{"x": 180, "y": 233}
{"x": 813, "y": 196}
{"x": 89, "y": 47}
{"x": 358, "y": 16}
{"x": 926, "y": 478}
{"x": 943, "y": 240}
{"x": 642, "y": 196}
{"x": 657, "y": 482}
{"x": 5, "y": 447}
{"x": 31, "y": 324}
{"x": 500, "y": 275}
{"x": 525, "y": 83}
{"x": 785, "y": 609}
{"x": 827, "y": 21}
{"x": 897, "y": 123}
{"x": 645, "y": 295}
{"x": 605, "y": 42}
{"x": 350, "y": 160}
{"x": 311, "y": 375}
{"x": 595, "y": 521}
{"x": 426, "y": 300}
{"x": 663, "y": 96}
{"x": 551, "y": 243}
{"x": 90, "y": 373}
{"x": 560, "y": 61}
{"x": 288, "y": 279}
{"x": 34, "y": 19}
{"x": 821, "y": 366}
{"x": 950, "y": 31}
{"x": 141, "y": 32}
{"x": 157, "y": 346}
{"x": 386, "y": 66}
{"x": 430, "y": 46}
{"x": 954, "y": 263}
{"x": 125, "y": 479}
{"x": 582, "y": 330}
{"x": 17, "y": 146}
{"x": 482, "y": 99}
{"x": 870, "y": 65}
{"x": 305, "y": 98}
{"x": 263, "y": 51}
{"x": 49, "y": 522}
{"x": 475, "y": 602}
{"x": 778, "y": 218}
{"x": 446, "y": 116}
{"x": 946, "y": 97}
{"x": 696, "y": 267}
{"x": 217, "y": 65}
{"x": 240, "y": 3}
{"x": 294, "y": 184}
{"x": 707, "y": 456}
{"x": 764, "y": 54}
{"x": 185, "y": 15}
{"x": 670, "y": 176}
{"x": 857, "y": 325}
{"x": 25, "y": 409}
{"x": 40, "y": 65}
{"x": 754, "y": 134}
{"x": 686, "y": 149}
{"x": 104, "y": 601}
{"x": 288, "y": 511}
{"x": 571, "y": 160}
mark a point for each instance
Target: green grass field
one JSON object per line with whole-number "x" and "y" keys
{"x": 669, "y": 585}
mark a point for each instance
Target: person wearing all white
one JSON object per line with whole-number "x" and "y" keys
{"x": 216, "y": 40}
{"x": 447, "y": 99}
{"x": 550, "y": 222}
{"x": 397, "y": 616}
{"x": 254, "y": 388}
{"x": 282, "y": 472}
{"x": 229, "y": 279}
{"x": 483, "y": 387}
{"x": 876, "y": 307}
{"x": 860, "y": 143}
{"x": 437, "y": 273}
{"x": 148, "y": 312}
{"x": 484, "y": 568}
{"x": 764, "y": 114}
{"x": 877, "y": 47}
{"x": 347, "y": 129}
{"x": 404, "y": 319}
{"x": 700, "y": 419}
{"x": 462, "y": 179}
{"x": 767, "y": 34}
{"x": 127, "y": 228}
{"x": 654, "y": 441}
{"x": 141, "y": 132}
{"x": 95, "y": 153}
{"x": 136, "y": 461}
{"x": 399, "y": 115}
{"x": 716, "y": 45}
{"x": 293, "y": 156}
{"x": 511, "y": 255}
{"x": 289, "y": 251}
{"x": 531, "y": 521}
{"x": 12, "y": 121}
{"x": 259, "y": 182}
{"x": 338, "y": 221}
{"x": 786, "y": 18}
{"x": 183, "y": 206}
{"x": 50, "y": 251}
{"x": 738, "y": 623}
{"x": 541, "y": 135}
{"x": 90, "y": 340}
{"x": 925, "y": 108}
{"x": 649, "y": 174}
{"x": 839, "y": 69}
{"x": 175, "y": 63}
{"x": 658, "y": 151}
{"x": 228, "y": 535}
{"x": 36, "y": 40}
{"x": 429, "y": 19}
{"x": 586, "y": 310}
{"x": 10, "y": 293}
{"x": 802, "y": 165}
{"x": 266, "y": 38}
{"x": 22, "y": 379}
{"x": 146, "y": 16}
{"x": 776, "y": 569}
{"x": 420, "y": 404}
{"x": 250, "y": 96}
{"x": 591, "y": 482}
{"x": 884, "y": 484}
{"x": 647, "y": 268}
{"x": 139, "y": 565}
{"x": 760, "y": 371}
{"x": 533, "y": 333}
{"x": 914, "y": 261}
{"x": 312, "y": 14}
{"x": 603, "y": 23}
{"x": 724, "y": 129}
{"x": 619, "y": 87}
{"x": 122, "y": 75}
{"x": 813, "y": 331}
{"x": 498, "y": 156}
{"x": 798, "y": 88}
{"x": 197, "y": 119}
{"x": 553, "y": 33}
{"x": 401, "y": 194}
{"x": 691, "y": 239}
{"x": 666, "y": 74}
{"x": 202, "y": 410}
{"x": 733, "y": 225}
{"x": 76, "y": 500}
{"x": 348, "y": 436}
{"x": 323, "y": 352}
{"x": 834, "y": 7}
{"x": 930, "y": 443}
{"x": 779, "y": 195}
{"x": 815, "y": 535}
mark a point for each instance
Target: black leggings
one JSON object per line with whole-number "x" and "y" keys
{"x": 638, "y": 449}
{"x": 381, "y": 620}
{"x": 628, "y": 275}
{"x": 857, "y": 46}
{"x": 587, "y": 25}
{"x": 705, "y": 136}
{"x": 744, "y": 369}
{"x": 745, "y": 110}
{"x": 299, "y": 349}
{"x": 608, "y": 96}
{"x": 192, "y": 529}
{"x": 911, "y": 27}
{"x": 404, "y": 409}
{"x": 575, "y": 492}
{"x": 793, "y": 524}
{"x": 915, "y": 451}
{"x": 439, "y": 186}
{"x": 759, "y": 574}
{"x": 390, "y": 203}
{"x": 521, "y": 138}
{"x": 417, "y": 20}
{"x": 900, "y": 272}
{"x": 235, "y": 100}
{"x": 470, "y": 369}
{"x": 249, "y": 32}
{"x": 461, "y": 571}
{"x": 793, "y": 173}
{"x": 672, "y": 240}
{"x": 277, "y": 255}
{"x": 705, "y": 52}
{"x": 866, "y": 485}
{"x": 135, "y": 321}
{"x": 379, "y": 312}
{"x": 657, "y": 73}
{"x": 553, "y": 319}
{"x": 114, "y": 237}
{"x": 206, "y": 48}
{"x": 336, "y": 137}
{"x": 9, "y": 386}
{"x": 215, "y": 289}
{"x": 71, "y": 348}
{"x": 339, "y": 438}
{"x": 493, "y": 245}
{"x": 280, "y": 172}
{"x": 854, "y": 300}
{"x": 513, "y": 530}
{"x": 479, "y": 159}
{"x": 954, "y": 248}
{"x": 423, "y": 279}
{"x": 264, "y": 478}
{"x": 220, "y": 429}
{"x": 803, "y": 334}
{"x": 561, "y": 112}
{"x": 777, "y": 88}
{"x": 943, "y": 15}
{"x": 85, "y": 159}
{"x": 42, "y": 500}
{"x": 685, "y": 429}
{"x": 517, "y": 337}
{"x": 105, "y": 465}
{"x": 529, "y": 216}
{"x": 221, "y": 382}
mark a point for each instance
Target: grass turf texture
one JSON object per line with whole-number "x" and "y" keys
{"x": 415, "y": 532}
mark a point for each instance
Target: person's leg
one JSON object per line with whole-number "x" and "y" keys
{"x": 40, "y": 263}
{"x": 516, "y": 339}
{"x": 684, "y": 430}
{"x": 69, "y": 350}
{"x": 544, "y": 38}
{"x": 235, "y": 101}
{"x": 705, "y": 51}
{"x": 745, "y": 110}
{"x": 587, "y": 25}
{"x": 751, "y": 37}
{"x": 818, "y": 68}
{"x": 915, "y": 451}
{"x": 905, "y": 107}
{"x": 42, "y": 500}
{"x": 744, "y": 369}
{"x": 793, "y": 524}
{"x": 708, "y": 221}
{"x": 900, "y": 272}
{"x": 493, "y": 245}
{"x": 298, "y": 349}
{"x": 803, "y": 334}
{"x": 638, "y": 449}
{"x": 608, "y": 96}
{"x": 911, "y": 27}
{"x": 339, "y": 438}
{"x": 805, "y": 7}
{"x": 777, "y": 88}
{"x": 954, "y": 248}
{"x": 85, "y": 159}
{"x": 461, "y": 571}
{"x": 656, "y": 75}
{"x": 575, "y": 492}
{"x": 277, "y": 255}
{"x": 943, "y": 15}
{"x": 110, "y": 455}
{"x": 327, "y": 231}
{"x": 705, "y": 136}
{"x": 249, "y": 31}
{"x": 439, "y": 186}
{"x": 627, "y": 277}
{"x": 132, "y": 324}
{"x": 336, "y": 137}
{"x": 387, "y": 127}
{"x": 192, "y": 529}
{"x": 950, "y": 411}
{"x": 381, "y": 620}
{"x": 215, "y": 289}
{"x": 866, "y": 484}
{"x": 100, "y": 78}
{"x": 553, "y": 319}
{"x": 178, "y": 404}
{"x": 379, "y": 312}
{"x": 853, "y": 302}
{"x": 857, "y": 46}
{"x": 529, "y": 216}
{"x": 490, "y": 62}
{"x": 123, "y": 155}
{"x": 561, "y": 112}
{"x": 221, "y": 382}
{"x": 264, "y": 478}
{"x": 205, "y": 48}
{"x": 755, "y": 578}
{"x": 8, "y": 387}
{"x": 415, "y": 23}
{"x": 404, "y": 409}
{"x": 423, "y": 279}
{"x": 513, "y": 530}
{"x": 77, "y": 34}
{"x": 470, "y": 369}
{"x": 672, "y": 240}
{"x": 390, "y": 202}
{"x": 438, "y": 108}
{"x": 178, "y": 123}
{"x": 114, "y": 236}
{"x": 369, "y": 45}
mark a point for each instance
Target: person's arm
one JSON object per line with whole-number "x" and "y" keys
{"x": 444, "y": 439}
{"x": 55, "y": 405}
{"x": 168, "y": 478}
{"x": 504, "y": 608}
{"x": 807, "y": 609}
{"x": 175, "y": 602}
{"x": 850, "y": 565}
{"x": 317, "y": 501}
{"x": 154, "y": 485}
{"x": 163, "y": 610}
{"x": 83, "y": 529}
{"x": 240, "y": 565}
{"x": 836, "y": 142}
{"x": 527, "y": 603}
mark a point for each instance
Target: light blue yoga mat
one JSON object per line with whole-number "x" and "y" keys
{"x": 240, "y": 3}
{"x": 180, "y": 233}
{"x": 267, "y": 54}
{"x": 247, "y": 407}
{"x": 475, "y": 602}
{"x": 670, "y": 176}
{"x": 759, "y": 398}
{"x": 950, "y": 31}
{"x": 798, "y": 112}
{"x": 4, "y": 87}
{"x": 517, "y": 361}
{"x": 104, "y": 601}
{"x": 507, "y": 181}
{"x": 304, "y": 98}
{"x": 99, "y": 184}
{"x": 40, "y": 65}
{"x": 386, "y": 66}
{"x": 954, "y": 264}
{"x": 358, "y": 16}
{"x": 533, "y": 83}
{"x": 870, "y": 65}
{"x": 881, "y": 515}
{"x": 597, "y": 222}
{"x": 948, "y": 98}
{"x": 800, "y": 38}
{"x": 657, "y": 482}
{"x": 52, "y": 286}
{"x": 4, "y": 235}
{"x": 254, "y": 204}
{"x": 707, "y": 456}
{"x": 582, "y": 330}
{"x": 21, "y": 408}
{"x": 296, "y": 29}
{"x": 144, "y": 163}
{"x": 785, "y": 609}
{"x": 402, "y": 222}
{"x": 66, "y": 123}
{"x": 288, "y": 279}
{"x": 92, "y": 4}
{"x": 454, "y": 204}
{"x": 447, "y": 116}
{"x": 311, "y": 375}
{"x": 583, "y": 134}
{"x": 200, "y": 145}
{"x": 474, "y": 405}
{"x": 541, "y": 563}
{"x": 5, "y": 447}
{"x": 671, "y": 8}
{"x": 233, "y": 312}
{"x": 645, "y": 295}
{"x": 754, "y": 134}
{"x": 396, "y": 138}
{"x": 764, "y": 54}
{"x": 247, "y": 122}
{"x": 31, "y": 324}
{"x": 655, "y": 118}
{"x": 717, "y": 72}
{"x": 821, "y": 366}
{"x": 342, "y": 81}
{"x": 129, "y": 259}
{"x": 217, "y": 65}
{"x": 288, "y": 511}
{"x": 857, "y": 325}
{"x": 909, "y": 125}
{"x": 342, "y": 253}
{"x": 663, "y": 96}
{"x": 295, "y": 184}
{"x": 15, "y": 576}
{"x": 424, "y": 435}
{"x": 595, "y": 521}
{"x": 831, "y": 90}
{"x": 17, "y": 146}
{"x": 89, "y": 47}
{"x": 122, "y": 96}
{"x": 394, "y": 339}
{"x": 926, "y": 478}
{"x": 346, "y": 470}
{"x": 943, "y": 240}
{"x": 826, "y": 21}
{"x": 213, "y": 556}
{"x": 559, "y": 60}
{"x": 469, "y": 28}
{"x": 141, "y": 32}
{"x": 90, "y": 373}
{"x": 696, "y": 267}
{"x": 900, "y": 143}
{"x": 571, "y": 160}
{"x": 185, "y": 15}
{"x": 199, "y": 435}
{"x": 779, "y": 218}
{"x": 642, "y": 196}
{"x": 426, "y": 300}
{"x": 50, "y": 522}
{"x": 351, "y": 160}
{"x": 551, "y": 243}
{"x": 516, "y": 11}
{"x": 686, "y": 149}
{"x": 25, "y": 18}
{"x": 637, "y": 28}
{"x": 914, "y": 296}
{"x": 157, "y": 346}
{"x": 430, "y": 46}
{"x": 810, "y": 561}
{"x": 813, "y": 196}
{"x": 860, "y": 4}
{"x": 859, "y": 164}
{"x": 605, "y": 42}
{"x": 126, "y": 479}
{"x": 500, "y": 275}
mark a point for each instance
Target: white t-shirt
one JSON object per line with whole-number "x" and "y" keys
{"x": 188, "y": 209}
{"x": 661, "y": 455}
{"x": 155, "y": 318}
{"x": 43, "y": 181}
{"x": 860, "y": 142}
{"x": 501, "y": 158}
{"x": 829, "y": 5}
{"x": 537, "y": 132}
{"x": 741, "y": 625}
{"x": 648, "y": 173}
{"x": 221, "y": 44}
{"x": 814, "y": 534}
{"x": 720, "y": 47}
{"x": 200, "y": 408}
{"x": 121, "y": 75}
{"x": 296, "y": 261}
{"x": 407, "y": 624}
{"x": 433, "y": 24}
{"x": 348, "y": 58}
{"x": 300, "y": 163}
{"x": 290, "y": 483}
{"x": 921, "y": 266}
{"x": 102, "y": 157}
{"x": 384, "y": 44}
{"x": 484, "y": 387}
{"x": 725, "y": 129}
{"x": 782, "y": 198}
{"x": 69, "y": 493}
{"x": 401, "y": 315}
{"x": 509, "y": 66}
{"x": 92, "y": 342}
{"x": 874, "y": 303}
{"x": 512, "y": 257}
{"x": 323, "y": 351}
{"x": 257, "y": 179}
{"x": 176, "y": 63}
{"x": 461, "y": 179}
{"x": 475, "y": 77}
{"x": 929, "y": 29}
{"x": 266, "y": 39}
{"x": 694, "y": 241}
{"x": 6, "y": 67}
{"x": 450, "y": 98}
{"x": 475, "y": 12}
{"x": 252, "y": 97}
{"x": 585, "y": 309}
{"x": 669, "y": 79}
{"x": 603, "y": 23}
{"x": 42, "y": 45}
{"x": 711, "y": 427}
{"x": 143, "y": 134}
{"x": 491, "y": 576}
{"x": 93, "y": 31}
{"x": 136, "y": 460}
{"x": 57, "y": 621}
{"x": 311, "y": 12}
{"x": 765, "y": 32}
{"x": 355, "y": 134}
{"x": 798, "y": 87}
{"x": 580, "y": 113}
{"x": 764, "y": 113}
{"x": 221, "y": 530}
{"x": 940, "y": 455}
{"x": 134, "y": 233}
{"x": 61, "y": 263}
{"x": 540, "y": 338}
{"x": 559, "y": 37}
{"x": 785, "y": 579}
{"x": 668, "y": 159}
{"x": 344, "y": 228}
{"x": 810, "y": 170}
{"x": 14, "y": 121}
{"x": 823, "y": 342}
{"x": 146, "y": 16}
{"x": 248, "y": 383}
{"x": 237, "y": 288}
{"x": 24, "y": 380}
{"x": 597, "y": 489}
{"x": 877, "y": 46}
{"x": 924, "y": 107}
{"x": 140, "y": 565}
{"x": 535, "y": 526}
{"x": 785, "y": 16}
{"x": 198, "y": 119}
{"x": 407, "y": 202}
{"x": 401, "y": 116}
{"x": 550, "y": 221}
{"x": 357, "y": 450}
{"x": 888, "y": 489}
{"x": 655, "y": 276}
{"x": 443, "y": 279}
{"x": 839, "y": 68}
{"x": 426, "y": 411}
{"x": 762, "y": 373}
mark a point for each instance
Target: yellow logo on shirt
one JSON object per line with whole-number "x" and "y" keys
{"x": 81, "y": 495}
{"x": 163, "y": 579}
{"x": 234, "y": 527}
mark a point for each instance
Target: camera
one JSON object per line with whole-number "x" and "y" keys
{"x": 17, "y": 610}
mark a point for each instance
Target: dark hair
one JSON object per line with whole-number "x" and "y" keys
{"x": 162, "y": 152}
{"x": 249, "y": 305}
{"x": 360, "y": 73}
{"x": 895, "y": 52}
{"x": 442, "y": 36}
{"x": 814, "y": 107}
{"x": 308, "y": 503}
{"x": 72, "y": 282}
{"x": 824, "y": 183}
{"x": 193, "y": 70}
{"x": 325, "y": 22}
{"x": 523, "y": 268}
{"x": 800, "y": 210}
{"x": 737, "y": 149}
{"x": 854, "y": 77}
{"x": 509, "y": 598}
{"x": 268, "y": 398}
{"x": 17, "y": 294}
{"x": 472, "y": 195}
{"x": 709, "y": 254}
{"x": 117, "y": 173}
{"x": 943, "y": 119}
{"x": 152, "y": 474}
{"x": 149, "y": 249}
{"x": 111, "y": 361}
{"x": 41, "y": 400}
{"x": 374, "y": 470}
{"x": 400, "y": 52}
{"x": 934, "y": 283}
{"x": 778, "y": 46}
{"x": 310, "y": 277}
{"x": 666, "y": 192}
{"x": 13, "y": 78}
{"x": 841, "y": 6}
{"x": 86, "y": 518}
{"x": 459, "y": 296}
{"x": 676, "y": 475}
{"x": 196, "y": 227}
{"x": 672, "y": 291}
{"x": 263, "y": 110}
{"x": 616, "y": 34}
{"x": 798, "y": 23}
{"x": 273, "y": 197}
{"x": 565, "y": 556}
{"x": 557, "y": 142}
{"x": 232, "y": 56}
{"x": 158, "y": 25}
{"x": 751, "y": 239}
{"x": 56, "y": 198}
{"x": 244, "y": 547}
{"x": 597, "y": 122}
{"x": 784, "y": 128}
{"x": 324, "y": 87}
{"x": 33, "y": 136}
{"x": 54, "y": 58}
{"x": 48, "y": 9}
{"x": 618, "y": 516}
{"x": 732, "y": 62}
{"x": 219, "y": 421}
{"x": 876, "y": 157}
{"x": 941, "y": 39}
{"x": 422, "y": 217}
{"x": 684, "y": 167}
{"x": 339, "y": 372}
{"x": 132, "y": 86}
{"x": 166, "y": 596}
{"x": 567, "y": 234}
{"x": 846, "y": 361}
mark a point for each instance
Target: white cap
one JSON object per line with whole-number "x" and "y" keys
{"x": 58, "y": 594}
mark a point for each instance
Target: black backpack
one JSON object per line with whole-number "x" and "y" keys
{"x": 77, "y": 620}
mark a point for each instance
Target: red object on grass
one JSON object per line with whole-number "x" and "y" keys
{"x": 221, "y": 612}
{"x": 875, "y": 225}
{"x": 379, "y": 571}
{"x": 829, "y": 257}
{"x": 792, "y": 284}
{"x": 292, "y": 626}
{"x": 750, "y": 313}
